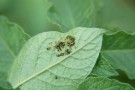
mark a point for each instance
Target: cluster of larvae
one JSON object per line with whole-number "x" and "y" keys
{"x": 64, "y": 47}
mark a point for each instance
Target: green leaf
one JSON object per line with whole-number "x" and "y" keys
{"x": 40, "y": 66}
{"x": 3, "y": 5}
{"x": 73, "y": 13}
{"x": 4, "y": 67}
{"x": 12, "y": 39}
{"x": 101, "y": 83}
{"x": 103, "y": 68}
{"x": 117, "y": 15}
{"x": 8, "y": 89}
{"x": 31, "y": 15}
{"x": 119, "y": 49}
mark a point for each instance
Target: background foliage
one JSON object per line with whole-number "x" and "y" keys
{"x": 22, "y": 19}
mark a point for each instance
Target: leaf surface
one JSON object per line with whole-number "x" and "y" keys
{"x": 36, "y": 67}
{"x": 103, "y": 68}
{"x": 117, "y": 15}
{"x": 119, "y": 49}
{"x": 73, "y": 13}
{"x": 100, "y": 83}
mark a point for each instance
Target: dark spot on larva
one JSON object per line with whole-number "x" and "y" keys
{"x": 60, "y": 54}
{"x": 48, "y": 48}
{"x": 67, "y": 51}
{"x": 56, "y": 77}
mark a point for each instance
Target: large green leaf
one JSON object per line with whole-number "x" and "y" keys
{"x": 73, "y": 13}
{"x": 103, "y": 68}
{"x": 119, "y": 49}
{"x": 117, "y": 14}
{"x": 38, "y": 65}
{"x": 31, "y": 15}
{"x": 101, "y": 83}
{"x": 12, "y": 39}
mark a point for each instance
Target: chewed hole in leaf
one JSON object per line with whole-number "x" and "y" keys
{"x": 63, "y": 46}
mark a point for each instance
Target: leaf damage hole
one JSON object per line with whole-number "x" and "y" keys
{"x": 64, "y": 46}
